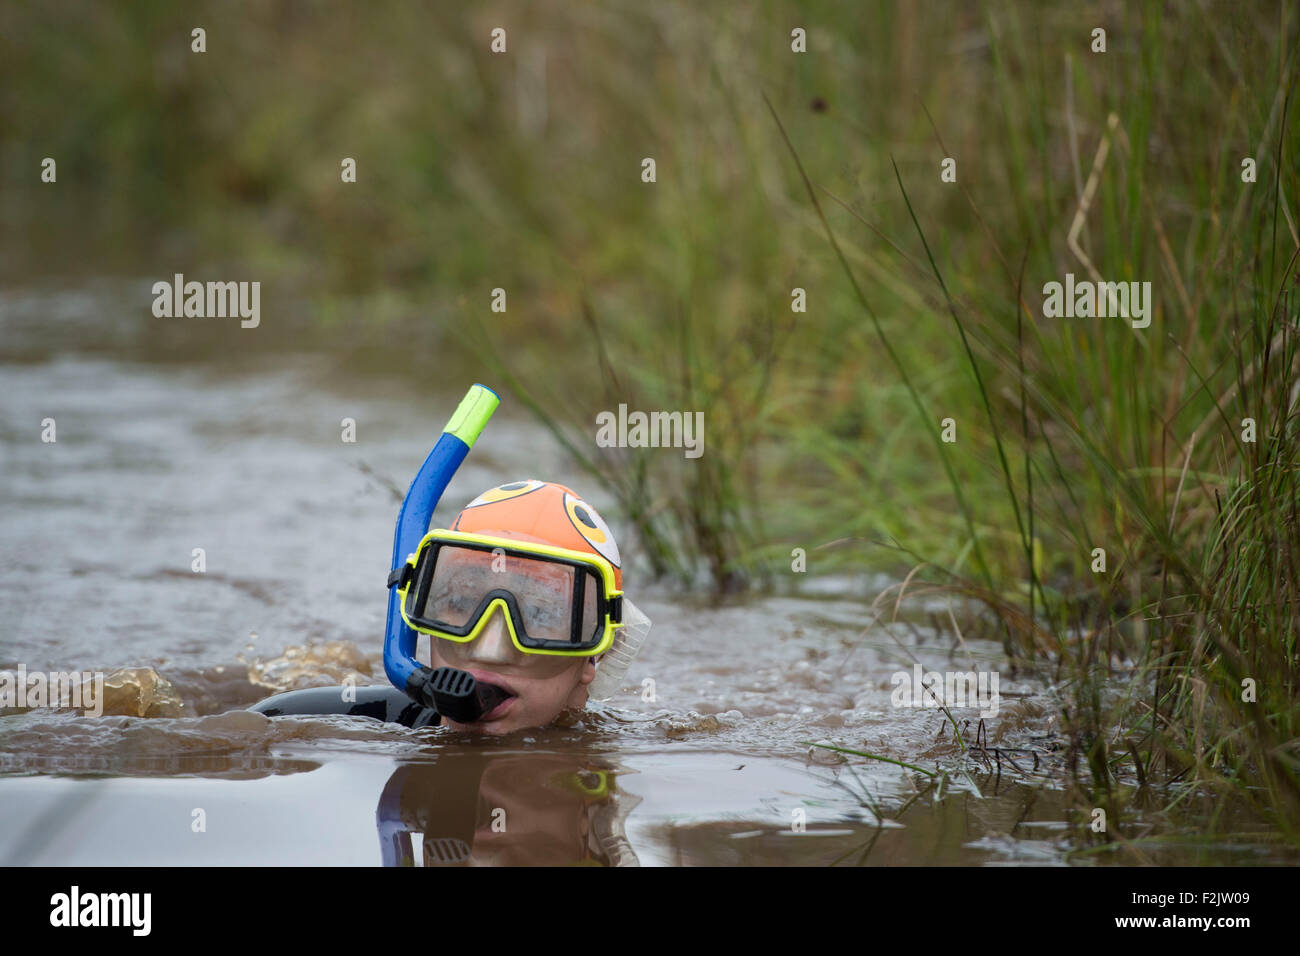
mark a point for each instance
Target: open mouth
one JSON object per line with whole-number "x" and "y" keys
{"x": 496, "y": 696}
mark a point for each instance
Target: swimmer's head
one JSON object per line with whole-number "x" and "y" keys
{"x": 541, "y": 686}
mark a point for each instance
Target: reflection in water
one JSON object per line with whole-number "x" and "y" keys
{"x": 483, "y": 809}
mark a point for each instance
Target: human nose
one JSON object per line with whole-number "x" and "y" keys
{"x": 493, "y": 645}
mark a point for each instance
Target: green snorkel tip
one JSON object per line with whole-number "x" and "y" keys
{"x": 472, "y": 414}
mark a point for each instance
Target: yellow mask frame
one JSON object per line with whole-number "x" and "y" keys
{"x": 416, "y": 575}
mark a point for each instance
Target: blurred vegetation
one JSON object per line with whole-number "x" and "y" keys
{"x": 522, "y": 171}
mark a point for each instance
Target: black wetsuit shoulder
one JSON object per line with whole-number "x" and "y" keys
{"x": 381, "y": 702}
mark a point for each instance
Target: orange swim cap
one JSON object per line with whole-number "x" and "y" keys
{"x": 544, "y": 510}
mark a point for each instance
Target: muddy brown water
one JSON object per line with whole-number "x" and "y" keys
{"x": 171, "y": 439}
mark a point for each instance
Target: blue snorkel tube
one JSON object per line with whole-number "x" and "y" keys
{"x": 403, "y": 670}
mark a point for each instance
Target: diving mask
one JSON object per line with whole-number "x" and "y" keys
{"x": 556, "y": 601}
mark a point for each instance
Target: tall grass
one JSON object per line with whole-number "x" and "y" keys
{"x": 1138, "y": 456}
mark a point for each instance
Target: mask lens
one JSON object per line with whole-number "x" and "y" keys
{"x": 592, "y": 625}
{"x": 461, "y": 576}
{"x": 543, "y": 591}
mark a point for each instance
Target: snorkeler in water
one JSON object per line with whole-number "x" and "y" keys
{"x": 522, "y": 598}
{"x": 523, "y": 593}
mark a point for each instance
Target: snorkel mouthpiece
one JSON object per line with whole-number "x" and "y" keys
{"x": 459, "y": 696}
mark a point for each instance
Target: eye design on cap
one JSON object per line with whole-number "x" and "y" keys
{"x": 505, "y": 492}
{"x": 593, "y": 528}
